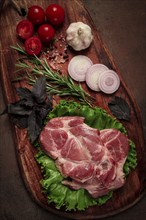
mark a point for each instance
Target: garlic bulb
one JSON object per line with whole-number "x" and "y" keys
{"x": 79, "y": 36}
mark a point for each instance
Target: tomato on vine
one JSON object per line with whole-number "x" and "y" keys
{"x": 33, "y": 45}
{"x": 46, "y": 33}
{"x": 25, "y": 29}
{"x": 36, "y": 15}
{"x": 55, "y": 14}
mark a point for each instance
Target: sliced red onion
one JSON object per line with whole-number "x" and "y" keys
{"x": 93, "y": 74}
{"x": 78, "y": 67}
{"x": 109, "y": 82}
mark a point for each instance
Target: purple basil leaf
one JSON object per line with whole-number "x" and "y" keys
{"x": 20, "y": 121}
{"x": 26, "y": 96}
{"x": 50, "y": 100}
{"x": 17, "y": 109}
{"x": 43, "y": 112}
{"x": 23, "y": 92}
{"x": 34, "y": 127}
{"x": 39, "y": 89}
{"x": 39, "y": 121}
{"x": 45, "y": 108}
{"x": 119, "y": 108}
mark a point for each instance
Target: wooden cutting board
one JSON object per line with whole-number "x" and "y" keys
{"x": 133, "y": 190}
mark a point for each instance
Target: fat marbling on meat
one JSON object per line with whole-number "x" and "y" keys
{"x": 92, "y": 159}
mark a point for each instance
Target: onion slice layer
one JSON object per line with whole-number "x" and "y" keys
{"x": 92, "y": 76}
{"x": 109, "y": 82}
{"x": 78, "y": 67}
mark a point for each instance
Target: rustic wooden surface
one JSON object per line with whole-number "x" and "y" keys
{"x": 123, "y": 198}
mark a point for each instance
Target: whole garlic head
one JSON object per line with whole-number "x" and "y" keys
{"x": 79, "y": 36}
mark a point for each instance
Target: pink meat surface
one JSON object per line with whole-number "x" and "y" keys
{"x": 92, "y": 159}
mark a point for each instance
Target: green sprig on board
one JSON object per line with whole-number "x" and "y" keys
{"x": 56, "y": 83}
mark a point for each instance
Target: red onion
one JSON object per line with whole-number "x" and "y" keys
{"x": 93, "y": 74}
{"x": 78, "y": 67}
{"x": 108, "y": 81}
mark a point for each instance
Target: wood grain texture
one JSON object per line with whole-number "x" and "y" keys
{"x": 136, "y": 181}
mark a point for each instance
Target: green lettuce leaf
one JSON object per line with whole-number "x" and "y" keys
{"x": 58, "y": 193}
{"x": 55, "y": 191}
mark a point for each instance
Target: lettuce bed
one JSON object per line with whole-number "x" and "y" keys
{"x": 52, "y": 183}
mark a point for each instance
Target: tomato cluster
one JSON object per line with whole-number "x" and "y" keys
{"x": 45, "y": 21}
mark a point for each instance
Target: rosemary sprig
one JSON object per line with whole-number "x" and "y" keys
{"x": 19, "y": 49}
{"x": 56, "y": 83}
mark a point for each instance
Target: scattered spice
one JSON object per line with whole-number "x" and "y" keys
{"x": 57, "y": 52}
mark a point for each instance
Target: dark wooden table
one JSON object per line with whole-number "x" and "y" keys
{"x": 122, "y": 27}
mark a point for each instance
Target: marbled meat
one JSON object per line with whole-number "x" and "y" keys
{"x": 86, "y": 157}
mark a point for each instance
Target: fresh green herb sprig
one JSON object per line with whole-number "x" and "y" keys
{"x": 19, "y": 49}
{"x": 56, "y": 83}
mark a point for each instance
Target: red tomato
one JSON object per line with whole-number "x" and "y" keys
{"x": 46, "y": 32}
{"x": 25, "y": 29}
{"x": 55, "y": 14}
{"x": 33, "y": 45}
{"x": 36, "y": 15}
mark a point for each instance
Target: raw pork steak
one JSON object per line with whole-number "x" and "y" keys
{"x": 92, "y": 159}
